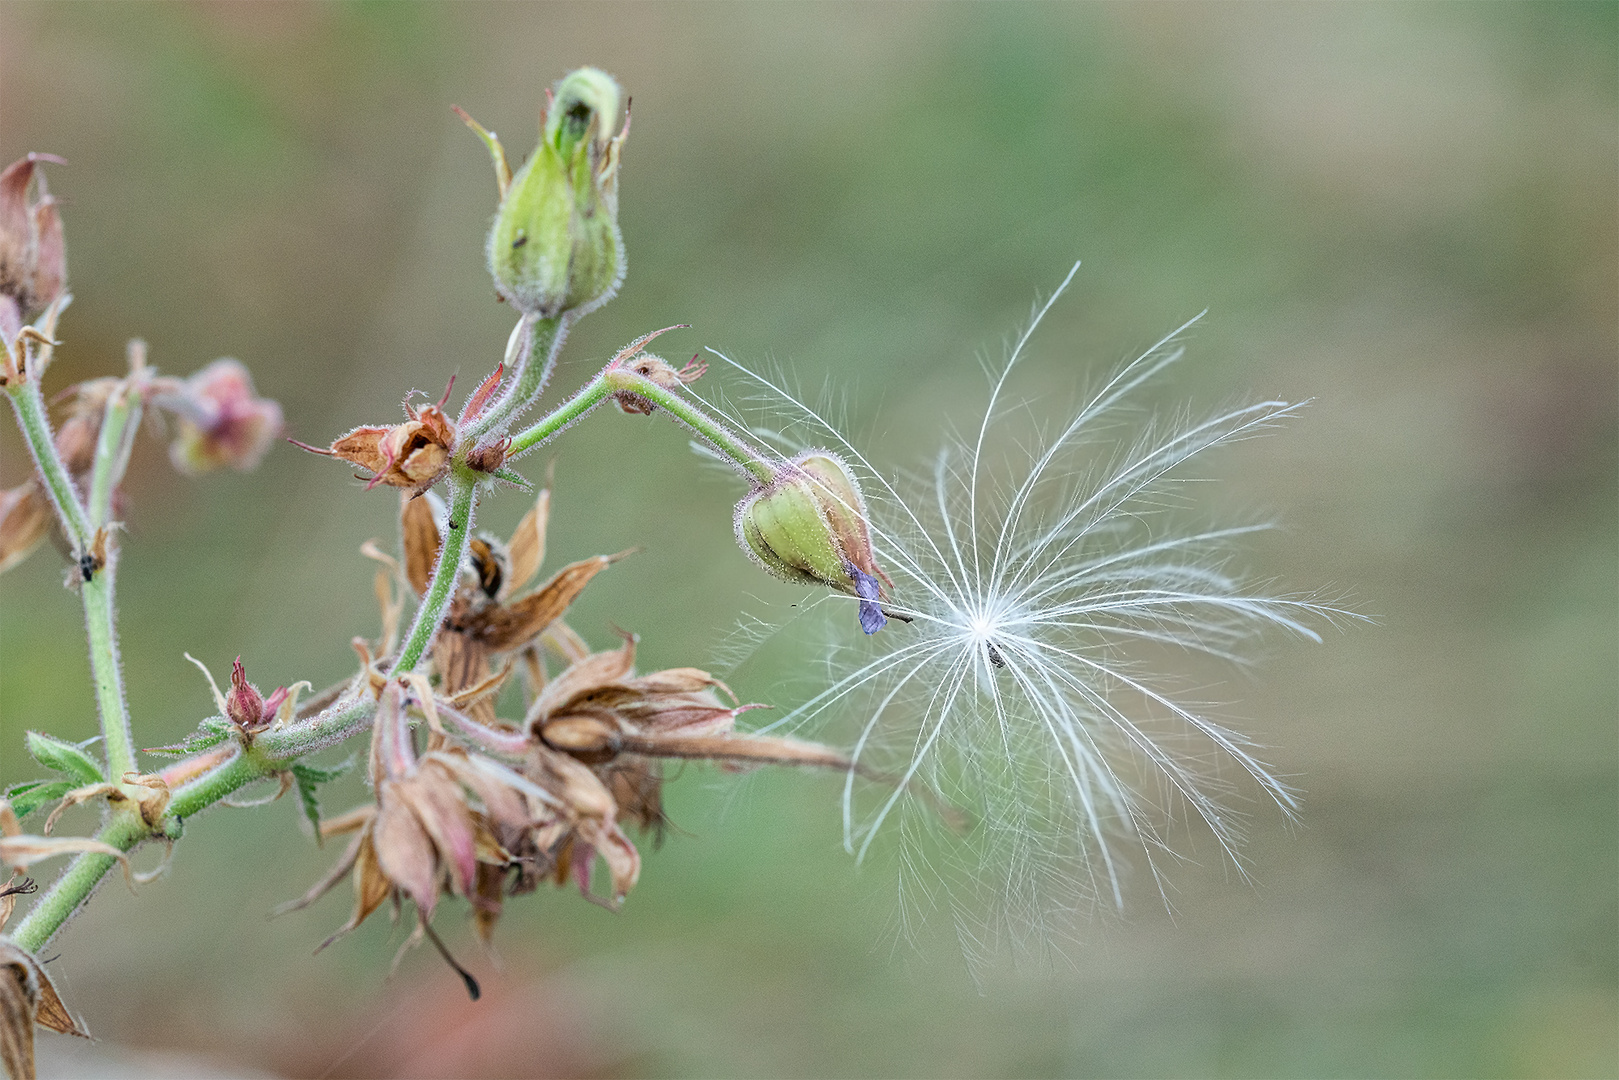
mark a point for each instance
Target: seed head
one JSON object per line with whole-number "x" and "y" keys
{"x": 808, "y": 525}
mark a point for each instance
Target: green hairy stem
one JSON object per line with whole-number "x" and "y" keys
{"x": 441, "y": 588}
{"x": 753, "y": 461}
{"x": 29, "y": 405}
{"x": 113, "y": 446}
{"x": 74, "y": 887}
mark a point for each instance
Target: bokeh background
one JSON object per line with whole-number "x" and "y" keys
{"x": 1407, "y": 213}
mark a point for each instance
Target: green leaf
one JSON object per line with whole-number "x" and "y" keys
{"x": 209, "y": 734}
{"x": 26, "y": 798}
{"x": 308, "y": 776}
{"x": 64, "y": 758}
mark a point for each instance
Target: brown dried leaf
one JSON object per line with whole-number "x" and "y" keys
{"x": 362, "y": 446}
{"x": 574, "y": 783}
{"x": 761, "y": 749}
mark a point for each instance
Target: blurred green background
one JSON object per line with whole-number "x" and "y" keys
{"x": 1405, "y": 212}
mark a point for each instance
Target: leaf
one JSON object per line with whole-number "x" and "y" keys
{"x": 308, "y": 777}
{"x": 26, "y": 798}
{"x": 65, "y": 758}
{"x": 209, "y": 734}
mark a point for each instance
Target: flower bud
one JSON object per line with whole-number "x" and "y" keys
{"x": 555, "y": 245}
{"x": 33, "y": 255}
{"x": 809, "y": 526}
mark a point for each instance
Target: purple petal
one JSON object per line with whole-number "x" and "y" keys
{"x": 872, "y": 618}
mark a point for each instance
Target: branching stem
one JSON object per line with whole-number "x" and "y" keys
{"x": 441, "y": 589}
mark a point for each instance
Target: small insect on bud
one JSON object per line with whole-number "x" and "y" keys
{"x": 33, "y": 255}
{"x": 809, "y": 526}
{"x": 220, "y": 419}
{"x": 555, "y": 245}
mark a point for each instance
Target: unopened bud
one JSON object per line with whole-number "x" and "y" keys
{"x": 555, "y": 245}
{"x": 33, "y": 254}
{"x": 244, "y": 704}
{"x": 809, "y": 526}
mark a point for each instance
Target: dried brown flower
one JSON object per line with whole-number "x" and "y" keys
{"x": 414, "y": 455}
{"x": 33, "y": 253}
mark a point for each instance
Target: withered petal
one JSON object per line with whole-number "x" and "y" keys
{"x": 403, "y": 849}
{"x": 510, "y": 626}
{"x": 528, "y": 544}
{"x": 362, "y": 446}
{"x": 437, "y": 803}
{"x": 623, "y": 861}
{"x": 325, "y": 884}
{"x": 52, "y": 1013}
{"x": 581, "y": 678}
{"x": 421, "y": 541}
{"x": 686, "y": 680}
{"x": 25, "y": 519}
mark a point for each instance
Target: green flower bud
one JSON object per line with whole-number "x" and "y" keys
{"x": 555, "y": 245}
{"x": 808, "y": 526}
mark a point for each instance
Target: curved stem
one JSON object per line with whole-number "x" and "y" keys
{"x": 755, "y": 462}
{"x": 74, "y": 887}
{"x": 590, "y": 395}
{"x": 441, "y": 589}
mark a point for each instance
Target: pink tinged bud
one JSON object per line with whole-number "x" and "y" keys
{"x": 221, "y": 419}
{"x": 244, "y": 705}
{"x": 33, "y": 254}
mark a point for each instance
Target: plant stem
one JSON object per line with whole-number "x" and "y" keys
{"x": 98, "y": 591}
{"x": 544, "y": 342}
{"x": 272, "y": 752}
{"x": 118, "y": 426}
{"x": 441, "y": 589}
{"x": 35, "y": 424}
{"x": 590, "y": 395}
{"x": 99, "y": 620}
{"x": 755, "y": 462}
{"x": 76, "y": 884}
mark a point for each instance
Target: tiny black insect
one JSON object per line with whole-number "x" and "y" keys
{"x": 994, "y": 654}
{"x": 88, "y": 566}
